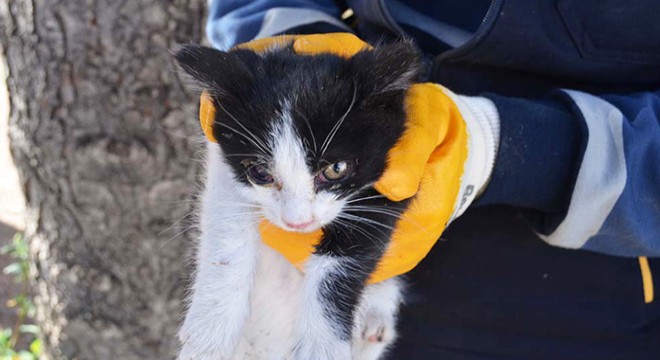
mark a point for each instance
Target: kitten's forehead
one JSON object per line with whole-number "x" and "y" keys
{"x": 289, "y": 156}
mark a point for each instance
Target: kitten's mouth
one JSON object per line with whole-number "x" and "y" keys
{"x": 299, "y": 226}
{"x": 309, "y": 226}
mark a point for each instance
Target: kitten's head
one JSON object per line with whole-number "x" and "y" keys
{"x": 305, "y": 134}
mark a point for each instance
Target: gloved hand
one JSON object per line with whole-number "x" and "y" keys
{"x": 443, "y": 160}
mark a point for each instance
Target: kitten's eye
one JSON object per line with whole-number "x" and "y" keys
{"x": 334, "y": 172}
{"x": 259, "y": 175}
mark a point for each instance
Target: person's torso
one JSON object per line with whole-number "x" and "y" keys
{"x": 523, "y": 47}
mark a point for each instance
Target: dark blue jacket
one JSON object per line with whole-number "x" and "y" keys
{"x": 577, "y": 87}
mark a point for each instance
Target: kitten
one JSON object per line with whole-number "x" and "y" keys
{"x": 301, "y": 141}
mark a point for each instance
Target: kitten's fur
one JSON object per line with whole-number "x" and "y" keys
{"x": 295, "y": 115}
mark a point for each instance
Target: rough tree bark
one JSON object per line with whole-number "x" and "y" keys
{"x": 101, "y": 133}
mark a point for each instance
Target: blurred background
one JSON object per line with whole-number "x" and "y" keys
{"x": 98, "y": 160}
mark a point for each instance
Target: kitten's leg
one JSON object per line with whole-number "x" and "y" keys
{"x": 219, "y": 305}
{"x": 330, "y": 294}
{"x": 335, "y": 277}
{"x": 226, "y": 259}
{"x": 375, "y": 320}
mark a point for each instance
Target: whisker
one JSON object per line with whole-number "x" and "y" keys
{"x": 246, "y": 137}
{"x": 174, "y": 202}
{"x": 375, "y": 209}
{"x": 365, "y": 220}
{"x": 235, "y": 203}
{"x": 366, "y": 198}
{"x": 378, "y": 207}
{"x": 249, "y": 214}
{"x": 176, "y": 235}
{"x": 231, "y": 216}
{"x": 362, "y": 231}
{"x": 175, "y": 223}
{"x": 309, "y": 127}
{"x": 257, "y": 141}
{"x": 245, "y": 155}
{"x": 383, "y": 211}
{"x": 333, "y": 131}
{"x": 233, "y": 206}
{"x": 352, "y": 227}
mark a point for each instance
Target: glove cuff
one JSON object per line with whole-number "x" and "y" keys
{"x": 483, "y": 126}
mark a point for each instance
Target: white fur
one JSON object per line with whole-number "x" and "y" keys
{"x": 226, "y": 259}
{"x": 295, "y": 180}
{"x": 375, "y": 320}
{"x": 268, "y": 334}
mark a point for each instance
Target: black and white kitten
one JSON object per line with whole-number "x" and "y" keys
{"x": 301, "y": 141}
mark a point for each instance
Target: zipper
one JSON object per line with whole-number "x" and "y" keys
{"x": 479, "y": 35}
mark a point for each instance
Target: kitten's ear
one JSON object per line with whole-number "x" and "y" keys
{"x": 391, "y": 67}
{"x": 218, "y": 71}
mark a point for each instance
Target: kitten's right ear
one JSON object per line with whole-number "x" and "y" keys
{"x": 218, "y": 71}
{"x": 389, "y": 67}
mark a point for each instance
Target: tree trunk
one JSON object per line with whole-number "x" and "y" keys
{"x": 101, "y": 132}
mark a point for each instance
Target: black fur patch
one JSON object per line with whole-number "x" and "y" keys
{"x": 364, "y": 243}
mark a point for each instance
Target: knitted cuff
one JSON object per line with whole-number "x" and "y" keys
{"x": 483, "y": 126}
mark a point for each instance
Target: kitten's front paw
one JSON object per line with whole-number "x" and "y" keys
{"x": 324, "y": 350}
{"x": 374, "y": 333}
{"x": 209, "y": 337}
{"x": 378, "y": 327}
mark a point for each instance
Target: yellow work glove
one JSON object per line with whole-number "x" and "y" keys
{"x": 443, "y": 159}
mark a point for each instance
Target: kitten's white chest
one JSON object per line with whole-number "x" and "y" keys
{"x": 274, "y": 306}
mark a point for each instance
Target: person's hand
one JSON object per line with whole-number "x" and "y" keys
{"x": 443, "y": 160}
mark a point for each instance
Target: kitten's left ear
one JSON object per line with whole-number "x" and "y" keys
{"x": 223, "y": 73}
{"x": 390, "y": 67}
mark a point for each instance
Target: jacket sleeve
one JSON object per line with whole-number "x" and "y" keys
{"x": 231, "y": 22}
{"x": 586, "y": 168}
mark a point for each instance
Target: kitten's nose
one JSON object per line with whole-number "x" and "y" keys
{"x": 298, "y": 226}
{"x": 297, "y": 212}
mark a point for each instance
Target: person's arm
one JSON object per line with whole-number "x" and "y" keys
{"x": 587, "y": 167}
{"x": 231, "y": 22}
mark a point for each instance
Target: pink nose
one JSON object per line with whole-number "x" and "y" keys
{"x": 299, "y": 226}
